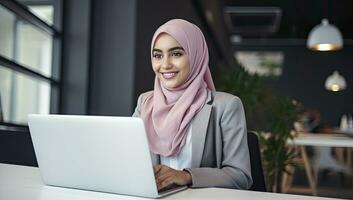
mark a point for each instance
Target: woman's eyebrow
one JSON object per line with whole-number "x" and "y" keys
{"x": 157, "y": 50}
{"x": 176, "y": 48}
{"x": 171, "y": 49}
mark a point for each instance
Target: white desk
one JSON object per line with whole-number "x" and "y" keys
{"x": 322, "y": 142}
{"x": 24, "y": 183}
{"x": 321, "y": 139}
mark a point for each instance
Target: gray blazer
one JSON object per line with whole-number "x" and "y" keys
{"x": 220, "y": 155}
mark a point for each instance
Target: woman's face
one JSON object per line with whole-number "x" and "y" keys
{"x": 170, "y": 62}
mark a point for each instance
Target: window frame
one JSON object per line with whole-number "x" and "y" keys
{"x": 22, "y": 12}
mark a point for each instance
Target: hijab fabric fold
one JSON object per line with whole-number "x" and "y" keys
{"x": 167, "y": 113}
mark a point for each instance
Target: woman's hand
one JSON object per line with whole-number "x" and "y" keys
{"x": 166, "y": 176}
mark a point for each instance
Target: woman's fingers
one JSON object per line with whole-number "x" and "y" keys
{"x": 164, "y": 176}
{"x": 161, "y": 169}
{"x": 165, "y": 183}
{"x": 157, "y": 168}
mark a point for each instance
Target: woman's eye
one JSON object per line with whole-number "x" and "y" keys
{"x": 157, "y": 56}
{"x": 177, "y": 54}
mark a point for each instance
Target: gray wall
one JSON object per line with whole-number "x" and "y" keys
{"x": 111, "y": 81}
{"x": 16, "y": 147}
{"x": 304, "y": 75}
{"x": 75, "y": 55}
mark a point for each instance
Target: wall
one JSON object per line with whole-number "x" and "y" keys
{"x": 16, "y": 147}
{"x": 111, "y": 84}
{"x": 75, "y": 57}
{"x": 304, "y": 75}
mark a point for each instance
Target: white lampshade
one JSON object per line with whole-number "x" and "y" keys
{"x": 325, "y": 37}
{"x": 335, "y": 82}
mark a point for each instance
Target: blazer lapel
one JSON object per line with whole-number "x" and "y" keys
{"x": 199, "y": 130}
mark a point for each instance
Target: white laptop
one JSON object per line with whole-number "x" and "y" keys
{"x": 106, "y": 154}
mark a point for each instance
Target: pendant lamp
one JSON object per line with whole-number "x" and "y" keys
{"x": 335, "y": 82}
{"x": 325, "y": 37}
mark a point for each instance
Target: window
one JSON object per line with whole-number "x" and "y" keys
{"x": 29, "y": 66}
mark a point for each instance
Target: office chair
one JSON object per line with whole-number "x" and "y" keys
{"x": 1, "y": 114}
{"x": 256, "y": 165}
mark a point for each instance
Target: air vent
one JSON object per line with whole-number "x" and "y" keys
{"x": 253, "y": 21}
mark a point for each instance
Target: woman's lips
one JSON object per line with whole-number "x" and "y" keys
{"x": 169, "y": 75}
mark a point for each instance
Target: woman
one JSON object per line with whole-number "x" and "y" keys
{"x": 197, "y": 136}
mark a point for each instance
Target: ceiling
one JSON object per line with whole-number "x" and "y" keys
{"x": 299, "y": 17}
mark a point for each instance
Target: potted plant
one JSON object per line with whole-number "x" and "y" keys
{"x": 270, "y": 115}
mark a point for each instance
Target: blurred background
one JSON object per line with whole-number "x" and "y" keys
{"x": 92, "y": 57}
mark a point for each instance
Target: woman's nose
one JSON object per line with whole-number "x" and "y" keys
{"x": 166, "y": 64}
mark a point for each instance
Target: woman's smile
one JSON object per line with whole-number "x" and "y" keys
{"x": 169, "y": 75}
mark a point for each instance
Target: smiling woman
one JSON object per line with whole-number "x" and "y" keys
{"x": 197, "y": 136}
{"x": 170, "y": 62}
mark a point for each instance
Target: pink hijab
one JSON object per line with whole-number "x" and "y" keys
{"x": 167, "y": 113}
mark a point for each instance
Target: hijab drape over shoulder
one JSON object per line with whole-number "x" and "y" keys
{"x": 167, "y": 113}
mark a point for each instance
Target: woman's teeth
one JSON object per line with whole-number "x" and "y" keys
{"x": 169, "y": 75}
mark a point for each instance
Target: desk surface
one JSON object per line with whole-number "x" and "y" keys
{"x": 21, "y": 182}
{"x": 322, "y": 139}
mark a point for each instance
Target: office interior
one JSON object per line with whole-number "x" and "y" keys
{"x": 92, "y": 57}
